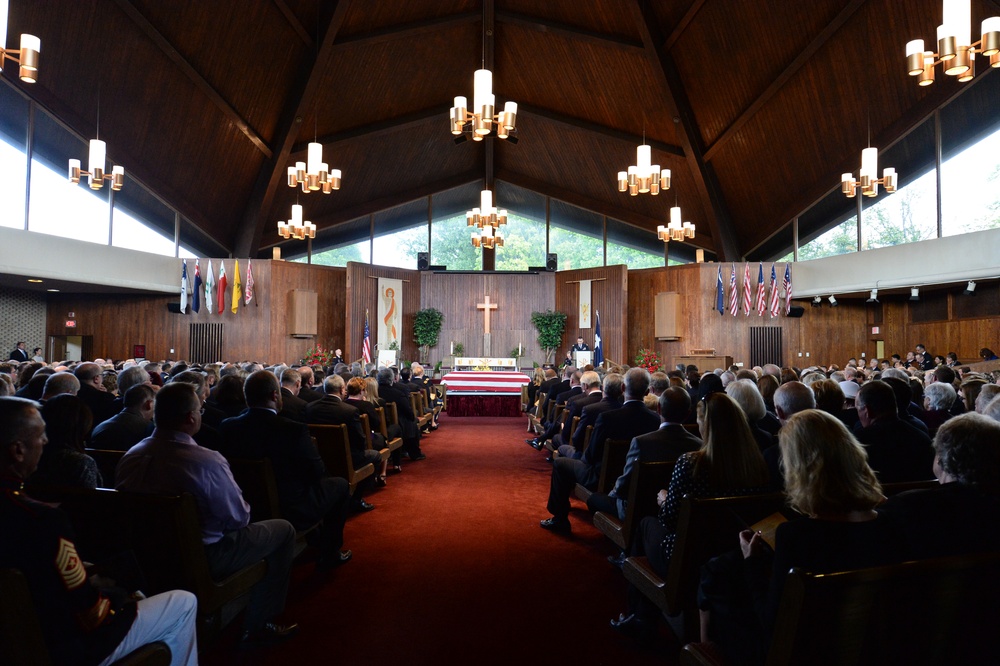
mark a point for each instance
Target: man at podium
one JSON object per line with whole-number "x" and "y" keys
{"x": 579, "y": 346}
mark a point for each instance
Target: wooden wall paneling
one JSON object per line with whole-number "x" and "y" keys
{"x": 362, "y": 293}
{"x": 516, "y": 295}
{"x": 609, "y": 296}
{"x": 330, "y": 285}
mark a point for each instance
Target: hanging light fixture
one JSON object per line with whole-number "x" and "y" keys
{"x": 487, "y": 220}
{"x": 675, "y": 229}
{"x": 481, "y": 122}
{"x": 314, "y": 174}
{"x": 868, "y": 179}
{"x": 97, "y": 158}
{"x": 643, "y": 177}
{"x": 27, "y": 56}
{"x": 956, "y": 50}
{"x": 295, "y": 227}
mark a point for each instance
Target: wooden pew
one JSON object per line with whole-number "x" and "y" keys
{"x": 524, "y": 398}
{"x": 164, "y": 533}
{"x": 706, "y": 527}
{"x": 107, "y": 463}
{"x": 256, "y": 480}
{"x": 646, "y": 481}
{"x": 612, "y": 466}
{"x": 395, "y": 442}
{"x": 417, "y": 404}
{"x": 939, "y": 611}
{"x": 383, "y": 452}
{"x": 335, "y": 449}
{"x": 21, "y": 639}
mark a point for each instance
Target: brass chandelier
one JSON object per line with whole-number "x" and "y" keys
{"x": 487, "y": 220}
{"x": 643, "y": 177}
{"x": 956, "y": 50}
{"x": 675, "y": 230}
{"x": 295, "y": 227}
{"x": 868, "y": 180}
{"x": 314, "y": 174}
{"x": 27, "y": 56}
{"x": 480, "y": 121}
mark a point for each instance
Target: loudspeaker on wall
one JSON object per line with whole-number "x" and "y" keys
{"x": 423, "y": 261}
{"x": 796, "y": 311}
{"x": 551, "y": 261}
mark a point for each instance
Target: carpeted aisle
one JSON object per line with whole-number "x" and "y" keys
{"x": 452, "y": 568}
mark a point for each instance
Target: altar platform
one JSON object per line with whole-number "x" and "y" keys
{"x": 472, "y": 393}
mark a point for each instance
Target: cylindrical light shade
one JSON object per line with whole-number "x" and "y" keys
{"x": 510, "y": 107}
{"x": 958, "y": 20}
{"x": 3, "y": 26}
{"x": 74, "y": 171}
{"x": 315, "y": 157}
{"x": 926, "y": 78}
{"x": 869, "y": 162}
{"x": 482, "y": 89}
{"x": 915, "y": 57}
{"x": 296, "y": 215}
{"x": 915, "y": 46}
{"x": 97, "y": 156}
{"x": 485, "y": 201}
{"x": 675, "y": 216}
{"x": 461, "y": 102}
{"x": 643, "y": 157}
{"x": 991, "y": 36}
{"x": 947, "y": 44}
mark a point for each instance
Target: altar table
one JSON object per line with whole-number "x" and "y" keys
{"x": 484, "y": 393}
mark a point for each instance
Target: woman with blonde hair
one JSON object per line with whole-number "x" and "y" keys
{"x": 827, "y": 480}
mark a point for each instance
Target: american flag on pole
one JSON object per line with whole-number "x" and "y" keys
{"x": 761, "y": 291}
{"x": 787, "y": 286}
{"x": 734, "y": 301}
{"x": 366, "y": 344}
{"x": 774, "y": 293}
{"x": 746, "y": 290}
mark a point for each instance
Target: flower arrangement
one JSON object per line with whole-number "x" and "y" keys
{"x": 318, "y": 355}
{"x": 649, "y": 359}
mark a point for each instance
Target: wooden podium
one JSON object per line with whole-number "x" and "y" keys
{"x": 704, "y": 363}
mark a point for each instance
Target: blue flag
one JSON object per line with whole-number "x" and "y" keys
{"x": 598, "y": 345}
{"x": 196, "y": 294}
{"x": 720, "y": 296}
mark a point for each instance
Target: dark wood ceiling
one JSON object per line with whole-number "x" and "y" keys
{"x": 756, "y": 107}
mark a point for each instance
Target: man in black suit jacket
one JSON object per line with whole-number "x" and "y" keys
{"x": 93, "y": 393}
{"x": 664, "y": 444}
{"x": 19, "y": 353}
{"x": 555, "y": 426}
{"x": 610, "y": 399}
{"x": 551, "y": 378}
{"x": 396, "y": 394}
{"x": 306, "y": 494}
{"x": 131, "y": 425}
{"x": 897, "y": 451}
{"x": 307, "y": 392}
{"x": 631, "y": 420}
{"x": 590, "y": 393}
{"x": 332, "y": 410}
{"x": 292, "y": 406}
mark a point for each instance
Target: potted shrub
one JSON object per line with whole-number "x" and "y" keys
{"x": 426, "y": 329}
{"x": 550, "y": 326}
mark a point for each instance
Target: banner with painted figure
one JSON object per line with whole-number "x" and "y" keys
{"x": 390, "y": 312}
{"x": 585, "y": 304}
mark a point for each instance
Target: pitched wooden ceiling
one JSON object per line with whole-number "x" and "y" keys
{"x": 755, "y": 107}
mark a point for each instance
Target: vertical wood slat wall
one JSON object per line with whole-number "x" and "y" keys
{"x": 362, "y": 293}
{"x": 609, "y": 296}
{"x": 516, "y": 296}
{"x": 765, "y": 346}
{"x": 206, "y": 342}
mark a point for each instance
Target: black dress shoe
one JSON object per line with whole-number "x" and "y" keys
{"x": 327, "y": 563}
{"x": 419, "y": 456}
{"x": 554, "y": 524}
{"x": 617, "y": 560}
{"x": 362, "y": 505}
{"x": 269, "y": 634}
{"x": 633, "y": 627}
{"x": 533, "y": 443}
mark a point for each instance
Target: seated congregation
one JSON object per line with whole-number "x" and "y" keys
{"x": 742, "y": 502}
{"x": 197, "y": 485}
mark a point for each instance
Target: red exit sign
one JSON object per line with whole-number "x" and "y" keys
{"x": 71, "y": 323}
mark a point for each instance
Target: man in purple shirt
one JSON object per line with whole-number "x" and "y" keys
{"x": 169, "y": 463}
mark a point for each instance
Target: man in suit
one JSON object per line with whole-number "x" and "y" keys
{"x": 131, "y": 425}
{"x": 208, "y": 432}
{"x": 19, "y": 353}
{"x": 551, "y": 377}
{"x": 306, "y": 494}
{"x": 170, "y": 462}
{"x": 897, "y": 451}
{"x": 93, "y": 393}
{"x": 580, "y": 345}
{"x": 307, "y": 392}
{"x": 668, "y": 442}
{"x": 590, "y": 393}
{"x": 395, "y": 394}
{"x": 630, "y": 420}
{"x": 332, "y": 410}
{"x": 611, "y": 398}
{"x": 555, "y": 426}
{"x": 292, "y": 406}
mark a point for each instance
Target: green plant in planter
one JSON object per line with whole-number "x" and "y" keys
{"x": 459, "y": 349}
{"x": 437, "y": 368}
{"x": 426, "y": 329}
{"x": 550, "y": 326}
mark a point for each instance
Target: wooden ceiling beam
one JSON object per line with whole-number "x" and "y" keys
{"x": 295, "y": 24}
{"x": 638, "y": 220}
{"x": 379, "y": 128}
{"x": 273, "y": 174}
{"x": 603, "y": 130}
{"x": 408, "y": 30}
{"x": 704, "y": 176}
{"x": 392, "y": 200}
{"x": 199, "y": 81}
{"x": 569, "y": 31}
{"x": 777, "y": 84}
{"x": 683, "y": 24}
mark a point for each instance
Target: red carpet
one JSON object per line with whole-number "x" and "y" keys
{"x": 452, "y": 568}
